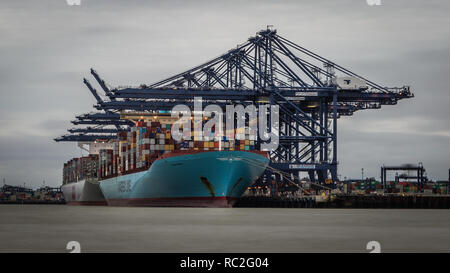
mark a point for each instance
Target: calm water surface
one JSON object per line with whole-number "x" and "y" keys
{"x": 47, "y": 228}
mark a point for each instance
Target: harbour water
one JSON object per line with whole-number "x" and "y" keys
{"x": 48, "y": 228}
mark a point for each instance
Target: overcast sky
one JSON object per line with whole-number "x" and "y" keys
{"x": 47, "y": 47}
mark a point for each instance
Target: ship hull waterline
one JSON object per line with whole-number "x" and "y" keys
{"x": 206, "y": 179}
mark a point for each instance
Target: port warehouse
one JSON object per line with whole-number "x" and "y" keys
{"x": 312, "y": 93}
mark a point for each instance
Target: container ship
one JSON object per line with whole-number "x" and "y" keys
{"x": 83, "y": 192}
{"x": 187, "y": 178}
{"x": 80, "y": 181}
{"x": 146, "y": 167}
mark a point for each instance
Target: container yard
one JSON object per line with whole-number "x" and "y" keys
{"x": 21, "y": 195}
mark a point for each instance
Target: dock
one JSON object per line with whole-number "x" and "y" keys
{"x": 348, "y": 201}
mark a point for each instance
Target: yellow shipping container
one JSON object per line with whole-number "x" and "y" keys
{"x": 167, "y": 147}
{"x": 240, "y": 130}
{"x": 196, "y": 134}
{"x": 247, "y": 142}
{"x": 229, "y": 132}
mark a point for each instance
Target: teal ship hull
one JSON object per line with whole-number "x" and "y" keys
{"x": 198, "y": 179}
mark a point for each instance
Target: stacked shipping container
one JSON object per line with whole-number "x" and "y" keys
{"x": 81, "y": 168}
{"x": 135, "y": 150}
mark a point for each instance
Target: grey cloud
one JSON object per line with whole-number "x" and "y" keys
{"x": 32, "y": 159}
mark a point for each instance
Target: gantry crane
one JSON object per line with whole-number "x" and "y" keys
{"x": 311, "y": 92}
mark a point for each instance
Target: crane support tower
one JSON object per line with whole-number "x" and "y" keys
{"x": 311, "y": 91}
{"x": 419, "y": 174}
